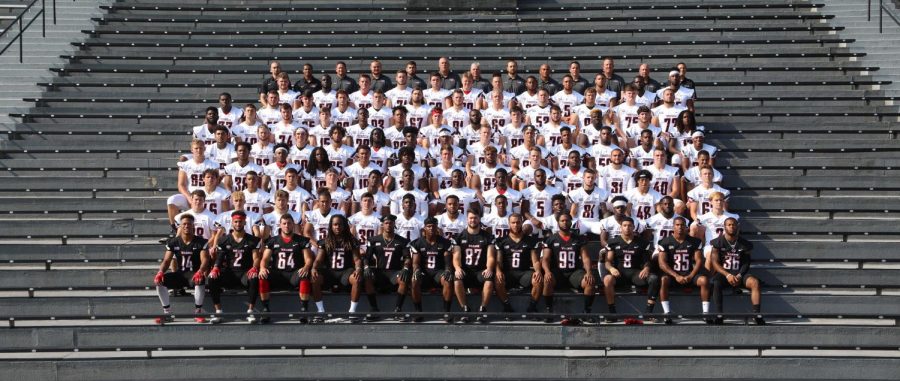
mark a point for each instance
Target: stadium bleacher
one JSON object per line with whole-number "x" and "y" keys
{"x": 808, "y": 147}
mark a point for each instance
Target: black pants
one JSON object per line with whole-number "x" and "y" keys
{"x": 233, "y": 280}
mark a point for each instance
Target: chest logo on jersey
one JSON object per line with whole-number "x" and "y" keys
{"x": 618, "y": 247}
{"x": 276, "y": 246}
{"x": 555, "y": 244}
{"x": 671, "y": 247}
{"x": 228, "y": 247}
{"x": 377, "y": 244}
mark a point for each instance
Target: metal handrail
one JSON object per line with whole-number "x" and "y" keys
{"x": 22, "y": 28}
{"x": 882, "y": 9}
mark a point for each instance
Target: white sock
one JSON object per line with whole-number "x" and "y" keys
{"x": 705, "y": 307}
{"x": 353, "y": 306}
{"x": 250, "y": 311}
{"x": 320, "y": 306}
{"x": 199, "y": 294}
{"x": 665, "y": 306}
{"x": 219, "y": 311}
{"x": 163, "y": 293}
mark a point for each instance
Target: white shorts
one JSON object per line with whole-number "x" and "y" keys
{"x": 178, "y": 200}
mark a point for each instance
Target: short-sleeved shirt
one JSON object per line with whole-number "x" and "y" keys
{"x": 338, "y": 258}
{"x": 630, "y": 255}
{"x": 288, "y": 255}
{"x": 433, "y": 252}
{"x": 187, "y": 254}
{"x": 733, "y": 257}
{"x": 474, "y": 248}
{"x": 516, "y": 255}
{"x": 680, "y": 255}
{"x": 237, "y": 256}
{"x": 387, "y": 255}
{"x": 565, "y": 253}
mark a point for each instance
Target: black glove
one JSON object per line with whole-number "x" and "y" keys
{"x": 404, "y": 275}
{"x": 368, "y": 273}
{"x": 447, "y": 275}
{"x": 418, "y": 274}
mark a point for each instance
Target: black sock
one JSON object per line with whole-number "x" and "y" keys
{"x": 549, "y": 301}
{"x": 588, "y": 303}
{"x": 418, "y": 306}
{"x": 265, "y": 305}
{"x": 373, "y": 302}
{"x": 650, "y": 307}
{"x": 532, "y": 304}
{"x": 304, "y": 305}
{"x": 756, "y": 308}
{"x": 447, "y": 306}
{"x": 400, "y": 299}
{"x": 483, "y": 308}
{"x": 612, "y": 308}
{"x": 174, "y": 229}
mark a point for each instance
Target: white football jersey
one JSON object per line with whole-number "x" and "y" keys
{"x": 204, "y": 222}
{"x": 644, "y": 158}
{"x": 570, "y": 181}
{"x": 231, "y": 118}
{"x": 667, "y": 116}
{"x": 432, "y": 133}
{"x": 643, "y": 206}
{"x": 435, "y": 98}
{"x": 523, "y": 155}
{"x": 690, "y": 152}
{"x": 466, "y": 197}
{"x": 287, "y": 97}
{"x": 194, "y": 172}
{"x": 276, "y": 175}
{"x": 360, "y": 174}
{"x": 381, "y": 156}
{"x": 451, "y": 227}
{"x": 628, "y": 115}
{"x": 540, "y": 201}
{"x": 320, "y": 222}
{"x": 421, "y": 202}
{"x": 496, "y": 118}
{"x": 662, "y": 227}
{"x": 339, "y": 196}
{"x": 526, "y": 100}
{"x": 359, "y": 135}
{"x": 365, "y": 226}
{"x": 322, "y": 135}
{"x": 487, "y": 175}
{"x": 296, "y": 199}
{"x": 561, "y": 154}
{"x": 613, "y": 229}
{"x": 471, "y": 97}
{"x": 477, "y": 151}
{"x": 399, "y": 97}
{"x": 648, "y": 99}
{"x": 526, "y": 174}
{"x": 247, "y": 132}
{"x": 397, "y": 172}
{"x": 700, "y": 195}
{"x": 223, "y": 221}
{"x": 589, "y": 205}
{"x": 551, "y": 134}
{"x": 325, "y": 101}
{"x": 693, "y": 176}
{"x": 381, "y": 199}
{"x": 262, "y": 155}
{"x": 616, "y": 181}
{"x": 339, "y": 156}
{"x": 300, "y": 157}
{"x": 343, "y": 118}
{"x": 256, "y": 202}
{"x": 239, "y": 174}
{"x": 538, "y": 115}
{"x": 714, "y": 224}
{"x": 470, "y": 134}
{"x": 443, "y": 175}
{"x": 410, "y": 228}
{"x": 380, "y": 118}
{"x": 215, "y": 200}
{"x": 223, "y": 156}
{"x": 498, "y": 225}
{"x": 584, "y": 114}
{"x": 456, "y": 118}
{"x": 604, "y": 98}
{"x": 682, "y": 95}
{"x": 269, "y": 116}
{"x": 272, "y": 221}
{"x": 208, "y": 137}
{"x": 567, "y": 102}
{"x": 284, "y": 132}
{"x": 417, "y": 116}
{"x": 514, "y": 135}
{"x": 663, "y": 179}
{"x": 602, "y": 154}
{"x": 513, "y": 199}
{"x": 361, "y": 100}
{"x": 306, "y": 119}
{"x": 394, "y": 137}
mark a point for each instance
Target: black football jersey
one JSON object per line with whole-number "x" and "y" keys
{"x": 337, "y": 259}
{"x": 629, "y": 255}
{"x": 387, "y": 255}
{"x": 288, "y": 256}
{"x": 734, "y": 258}
{"x": 234, "y": 255}
{"x": 474, "y": 248}
{"x": 565, "y": 253}
{"x": 432, "y": 254}
{"x": 515, "y": 255}
{"x": 187, "y": 254}
{"x": 680, "y": 256}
